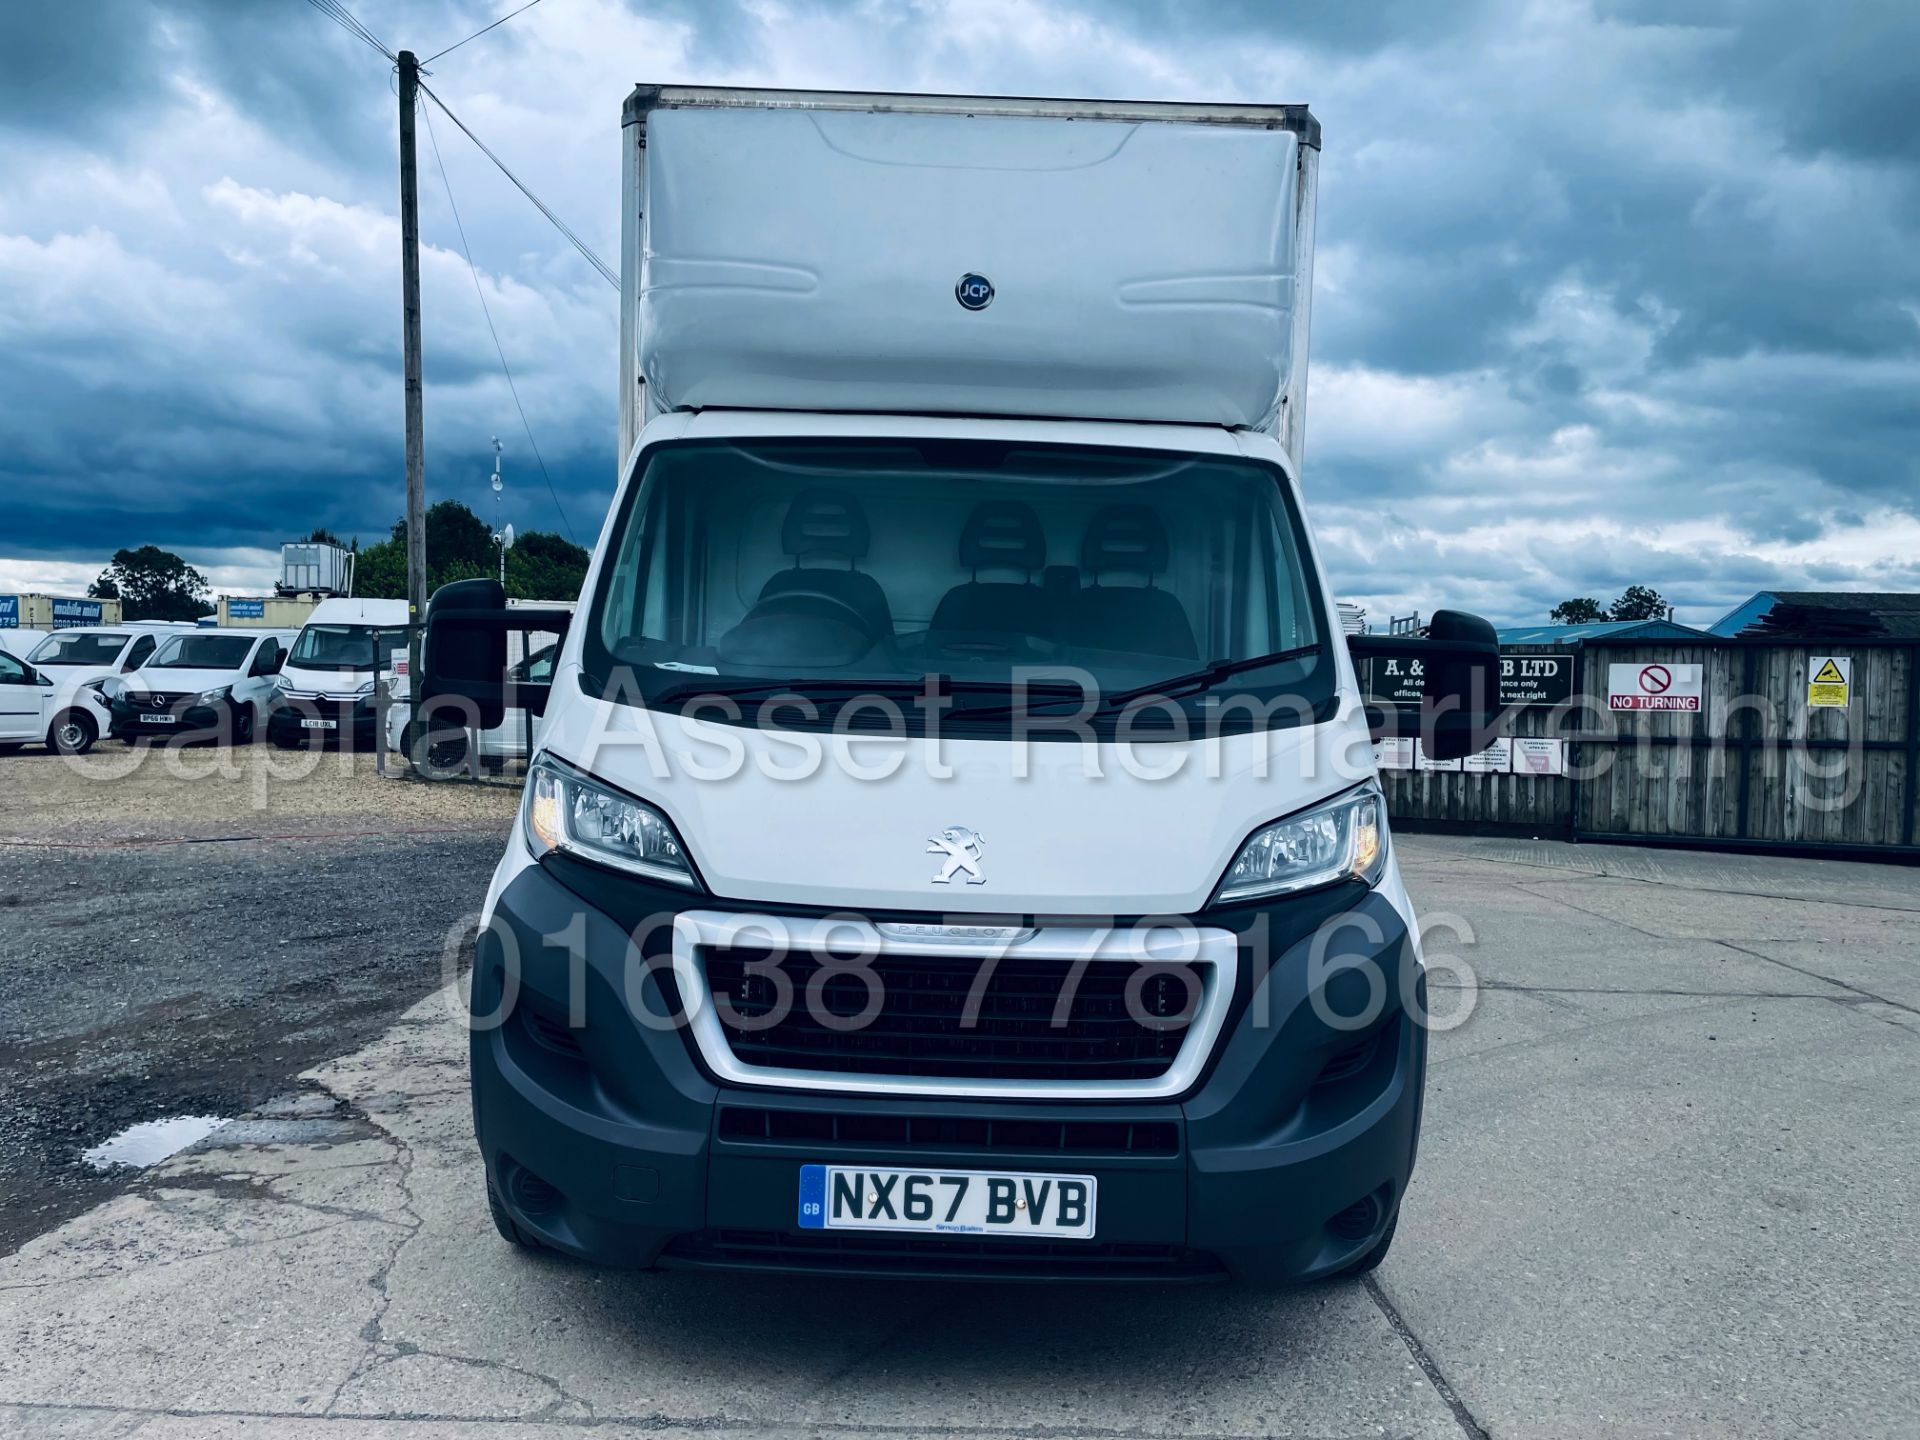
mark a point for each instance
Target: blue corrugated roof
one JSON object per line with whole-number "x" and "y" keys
{"x": 1598, "y": 630}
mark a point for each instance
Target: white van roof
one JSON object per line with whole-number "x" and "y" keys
{"x": 1123, "y": 261}
{"x": 350, "y": 611}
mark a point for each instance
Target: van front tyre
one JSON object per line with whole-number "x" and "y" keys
{"x": 503, "y": 1222}
{"x": 72, "y": 733}
{"x": 243, "y": 726}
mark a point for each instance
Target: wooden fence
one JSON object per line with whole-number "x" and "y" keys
{"x": 1756, "y": 766}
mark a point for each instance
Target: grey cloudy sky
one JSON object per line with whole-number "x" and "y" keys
{"x": 1607, "y": 292}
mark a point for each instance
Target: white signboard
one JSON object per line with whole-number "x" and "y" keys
{"x": 1655, "y": 686}
{"x": 1393, "y": 753}
{"x": 1539, "y": 757}
{"x": 1424, "y": 761}
{"x": 1496, "y": 759}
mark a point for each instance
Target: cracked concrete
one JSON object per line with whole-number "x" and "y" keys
{"x": 1660, "y": 1194}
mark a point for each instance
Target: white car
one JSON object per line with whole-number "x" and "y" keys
{"x": 20, "y": 642}
{"x": 207, "y": 683}
{"x": 88, "y": 654}
{"x": 37, "y": 708}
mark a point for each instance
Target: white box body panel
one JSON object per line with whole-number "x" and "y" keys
{"x": 803, "y": 253}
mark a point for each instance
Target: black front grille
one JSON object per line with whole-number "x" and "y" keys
{"x": 950, "y": 1132}
{"x": 950, "y": 1257}
{"x": 966, "y": 1016}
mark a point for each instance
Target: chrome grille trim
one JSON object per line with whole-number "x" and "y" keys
{"x": 1212, "y": 953}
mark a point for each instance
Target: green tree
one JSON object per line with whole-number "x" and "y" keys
{"x": 153, "y": 584}
{"x": 1578, "y": 611}
{"x": 1639, "y": 602}
{"x": 543, "y": 566}
{"x": 459, "y": 547}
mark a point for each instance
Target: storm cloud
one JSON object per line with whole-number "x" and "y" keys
{"x": 1607, "y": 293}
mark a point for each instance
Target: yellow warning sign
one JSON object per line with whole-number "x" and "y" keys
{"x": 1830, "y": 681}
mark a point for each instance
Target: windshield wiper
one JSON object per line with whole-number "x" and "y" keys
{"x": 1204, "y": 678}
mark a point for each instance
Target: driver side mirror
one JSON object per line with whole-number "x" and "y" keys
{"x": 463, "y": 657}
{"x": 1443, "y": 687}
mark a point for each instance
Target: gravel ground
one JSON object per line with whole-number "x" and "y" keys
{"x": 120, "y": 792}
{"x": 184, "y": 933}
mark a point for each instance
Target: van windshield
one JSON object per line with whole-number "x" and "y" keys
{"x": 345, "y": 647}
{"x": 94, "y": 649}
{"x": 820, "y": 567}
{"x": 202, "y": 652}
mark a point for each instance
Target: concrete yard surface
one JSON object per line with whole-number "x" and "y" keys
{"x": 1662, "y": 1192}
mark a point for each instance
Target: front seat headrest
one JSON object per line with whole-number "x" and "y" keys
{"x": 1003, "y": 534}
{"x": 825, "y": 522}
{"x": 1124, "y": 537}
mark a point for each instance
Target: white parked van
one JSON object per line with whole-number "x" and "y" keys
{"x": 952, "y": 847}
{"x": 80, "y": 665}
{"x": 325, "y": 689}
{"x": 38, "y": 707}
{"x": 89, "y": 654}
{"x": 206, "y": 683}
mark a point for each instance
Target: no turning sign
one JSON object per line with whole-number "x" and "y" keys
{"x": 1655, "y": 686}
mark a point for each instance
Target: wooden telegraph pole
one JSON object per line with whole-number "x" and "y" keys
{"x": 410, "y": 351}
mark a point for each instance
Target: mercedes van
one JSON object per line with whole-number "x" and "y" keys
{"x": 952, "y": 846}
{"x": 205, "y": 683}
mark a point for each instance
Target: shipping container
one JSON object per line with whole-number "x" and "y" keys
{"x": 55, "y": 612}
{"x": 263, "y": 612}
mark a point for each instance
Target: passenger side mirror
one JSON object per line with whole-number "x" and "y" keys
{"x": 1443, "y": 687}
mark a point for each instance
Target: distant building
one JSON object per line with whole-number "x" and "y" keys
{"x": 1826, "y": 614}
{"x": 1599, "y": 630}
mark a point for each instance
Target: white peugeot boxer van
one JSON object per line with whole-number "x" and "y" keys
{"x": 952, "y": 846}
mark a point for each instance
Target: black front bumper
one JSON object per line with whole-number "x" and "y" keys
{"x": 196, "y": 721}
{"x": 353, "y": 720}
{"x": 607, "y": 1140}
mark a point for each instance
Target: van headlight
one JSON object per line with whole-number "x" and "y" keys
{"x": 567, "y": 811}
{"x": 215, "y": 695}
{"x": 1342, "y": 839}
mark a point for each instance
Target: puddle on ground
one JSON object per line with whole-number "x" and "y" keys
{"x": 151, "y": 1141}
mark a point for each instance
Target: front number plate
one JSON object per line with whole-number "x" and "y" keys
{"x": 319, "y": 724}
{"x": 158, "y": 719}
{"x": 946, "y": 1202}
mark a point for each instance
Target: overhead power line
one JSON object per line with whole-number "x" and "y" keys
{"x": 343, "y": 17}
{"x": 486, "y": 310}
{"x": 606, "y": 271}
{"x": 478, "y": 33}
